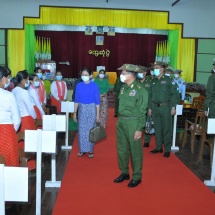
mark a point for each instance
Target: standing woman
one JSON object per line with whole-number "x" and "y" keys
{"x": 33, "y": 91}
{"x": 9, "y": 122}
{"x": 41, "y": 89}
{"x": 87, "y": 102}
{"x": 104, "y": 87}
{"x": 58, "y": 91}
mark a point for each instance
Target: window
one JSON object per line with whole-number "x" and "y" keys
{"x": 3, "y": 47}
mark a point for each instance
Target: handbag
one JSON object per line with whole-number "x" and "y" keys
{"x": 97, "y": 133}
{"x": 149, "y": 128}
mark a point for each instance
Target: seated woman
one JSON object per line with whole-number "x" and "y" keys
{"x": 33, "y": 91}
{"x": 26, "y": 109}
{"x": 58, "y": 91}
{"x": 87, "y": 103}
{"x": 9, "y": 121}
{"x": 104, "y": 87}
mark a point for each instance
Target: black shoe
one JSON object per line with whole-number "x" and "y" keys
{"x": 115, "y": 115}
{"x": 146, "y": 145}
{"x": 207, "y": 156}
{"x": 134, "y": 183}
{"x": 156, "y": 151}
{"x": 166, "y": 154}
{"x": 122, "y": 177}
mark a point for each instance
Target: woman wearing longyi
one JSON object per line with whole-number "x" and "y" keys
{"x": 9, "y": 121}
{"x": 58, "y": 91}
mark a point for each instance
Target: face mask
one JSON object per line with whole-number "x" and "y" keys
{"x": 7, "y": 85}
{"x": 156, "y": 72}
{"x": 122, "y": 78}
{"x": 213, "y": 70}
{"x": 27, "y": 85}
{"x": 176, "y": 75}
{"x": 39, "y": 75}
{"x": 36, "y": 83}
{"x": 101, "y": 75}
{"x": 140, "y": 75}
{"x": 85, "y": 78}
{"x": 167, "y": 74}
{"x": 152, "y": 72}
{"x": 59, "y": 77}
{"x": 44, "y": 77}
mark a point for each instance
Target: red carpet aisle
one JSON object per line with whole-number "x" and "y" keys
{"x": 168, "y": 186}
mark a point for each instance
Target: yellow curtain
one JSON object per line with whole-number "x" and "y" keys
{"x": 110, "y": 17}
{"x": 16, "y": 50}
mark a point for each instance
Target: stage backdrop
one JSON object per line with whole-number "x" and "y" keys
{"x": 74, "y": 47}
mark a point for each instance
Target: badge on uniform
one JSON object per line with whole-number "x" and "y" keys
{"x": 163, "y": 82}
{"x": 132, "y": 93}
{"x": 147, "y": 85}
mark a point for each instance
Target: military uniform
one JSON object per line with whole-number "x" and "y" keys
{"x": 162, "y": 97}
{"x": 132, "y": 109}
{"x": 181, "y": 87}
{"x": 117, "y": 86}
{"x": 210, "y": 97}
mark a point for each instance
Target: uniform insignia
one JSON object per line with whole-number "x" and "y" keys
{"x": 153, "y": 83}
{"x": 132, "y": 86}
{"x": 132, "y": 93}
{"x": 179, "y": 82}
{"x": 163, "y": 82}
{"x": 147, "y": 85}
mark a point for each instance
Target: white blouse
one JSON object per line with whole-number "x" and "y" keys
{"x": 34, "y": 95}
{"x": 9, "y": 111}
{"x": 45, "y": 100}
{"x": 54, "y": 91}
{"x": 24, "y": 102}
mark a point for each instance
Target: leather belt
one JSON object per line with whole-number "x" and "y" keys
{"x": 160, "y": 104}
{"x": 128, "y": 117}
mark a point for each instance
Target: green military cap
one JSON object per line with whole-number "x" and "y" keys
{"x": 143, "y": 69}
{"x": 162, "y": 64}
{"x": 129, "y": 67}
{"x": 170, "y": 69}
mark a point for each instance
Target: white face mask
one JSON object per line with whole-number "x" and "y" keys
{"x": 85, "y": 78}
{"x": 122, "y": 78}
{"x": 214, "y": 70}
{"x": 140, "y": 75}
{"x": 36, "y": 83}
{"x": 176, "y": 75}
{"x": 156, "y": 72}
{"x": 152, "y": 72}
{"x": 167, "y": 74}
{"x": 101, "y": 75}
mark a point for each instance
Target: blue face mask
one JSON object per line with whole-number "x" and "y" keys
{"x": 36, "y": 83}
{"x": 167, "y": 74}
{"x": 156, "y": 72}
{"x": 27, "y": 85}
{"x": 7, "y": 85}
{"x": 140, "y": 75}
{"x": 39, "y": 75}
{"x": 59, "y": 77}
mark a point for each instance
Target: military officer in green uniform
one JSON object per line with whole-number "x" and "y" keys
{"x": 162, "y": 104}
{"x": 210, "y": 95}
{"x": 117, "y": 86}
{"x": 146, "y": 82}
{"x": 133, "y": 101}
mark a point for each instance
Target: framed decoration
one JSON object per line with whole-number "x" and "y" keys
{"x": 100, "y": 30}
{"x": 99, "y": 40}
{"x": 111, "y": 31}
{"x": 88, "y": 30}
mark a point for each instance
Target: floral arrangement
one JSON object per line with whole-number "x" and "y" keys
{"x": 193, "y": 86}
{"x": 69, "y": 82}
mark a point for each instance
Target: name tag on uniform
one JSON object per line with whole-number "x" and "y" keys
{"x": 132, "y": 93}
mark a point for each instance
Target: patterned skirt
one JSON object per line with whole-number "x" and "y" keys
{"x": 103, "y": 110}
{"x": 27, "y": 123}
{"x": 9, "y": 145}
{"x": 39, "y": 115}
{"x": 86, "y": 120}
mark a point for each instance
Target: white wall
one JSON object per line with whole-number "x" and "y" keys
{"x": 197, "y": 15}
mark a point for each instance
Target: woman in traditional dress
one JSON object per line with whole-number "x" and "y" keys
{"x": 25, "y": 105}
{"x": 104, "y": 87}
{"x": 41, "y": 91}
{"x": 33, "y": 91}
{"x": 87, "y": 102}
{"x": 58, "y": 91}
{"x": 9, "y": 122}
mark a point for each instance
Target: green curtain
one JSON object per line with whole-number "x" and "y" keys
{"x": 29, "y": 48}
{"x": 173, "y": 38}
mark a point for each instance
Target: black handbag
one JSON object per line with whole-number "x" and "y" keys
{"x": 97, "y": 133}
{"x": 149, "y": 128}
